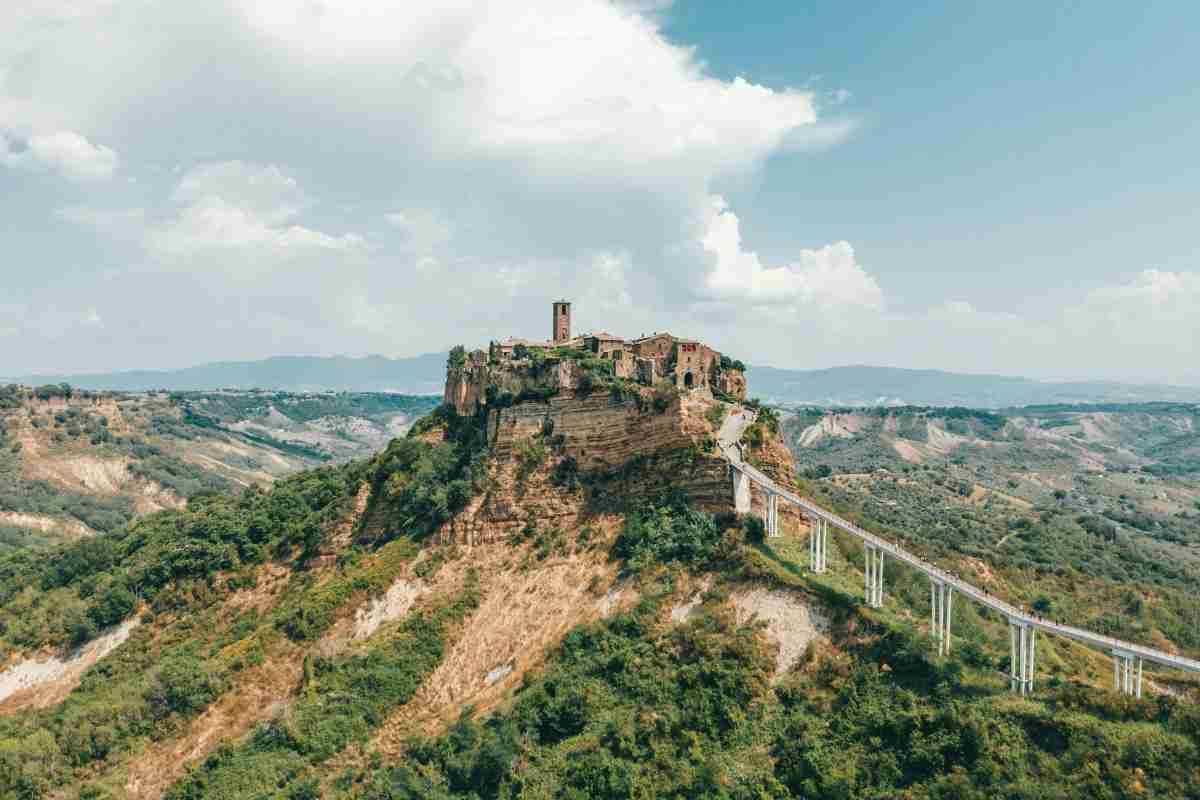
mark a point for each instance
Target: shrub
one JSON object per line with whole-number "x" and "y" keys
{"x": 429, "y": 483}
{"x": 113, "y": 605}
{"x": 715, "y": 414}
{"x": 531, "y": 454}
{"x": 566, "y": 473}
{"x": 665, "y": 393}
{"x": 665, "y": 534}
{"x": 182, "y": 685}
{"x": 756, "y": 530}
{"x": 729, "y": 363}
{"x": 584, "y": 384}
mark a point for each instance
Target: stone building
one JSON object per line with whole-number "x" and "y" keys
{"x": 509, "y": 366}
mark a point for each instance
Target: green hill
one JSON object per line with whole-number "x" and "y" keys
{"x": 339, "y": 635}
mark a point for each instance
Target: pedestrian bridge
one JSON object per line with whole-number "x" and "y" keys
{"x": 1023, "y": 626}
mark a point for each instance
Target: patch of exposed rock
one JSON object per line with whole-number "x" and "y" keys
{"x": 41, "y": 682}
{"x": 682, "y": 611}
{"x": 392, "y": 605}
{"x": 793, "y": 620}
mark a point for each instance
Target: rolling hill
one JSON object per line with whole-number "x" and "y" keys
{"x": 866, "y": 386}
{"x": 76, "y": 463}
{"x": 835, "y": 386}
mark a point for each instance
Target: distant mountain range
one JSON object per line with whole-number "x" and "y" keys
{"x": 868, "y": 386}
{"x": 836, "y": 386}
{"x": 417, "y": 375}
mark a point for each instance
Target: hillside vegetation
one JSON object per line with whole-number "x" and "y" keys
{"x": 324, "y": 637}
{"x": 1091, "y": 514}
{"x": 73, "y": 463}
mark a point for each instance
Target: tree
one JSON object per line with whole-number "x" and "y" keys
{"x": 457, "y": 358}
{"x": 112, "y": 606}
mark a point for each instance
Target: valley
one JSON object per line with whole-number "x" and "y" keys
{"x": 1075, "y": 511}
{"x": 74, "y": 463}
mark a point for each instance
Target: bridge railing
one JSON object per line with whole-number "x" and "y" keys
{"x": 1014, "y": 614}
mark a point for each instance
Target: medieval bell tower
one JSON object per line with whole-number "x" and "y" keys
{"x": 561, "y": 322}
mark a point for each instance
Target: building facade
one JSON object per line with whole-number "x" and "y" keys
{"x": 687, "y": 363}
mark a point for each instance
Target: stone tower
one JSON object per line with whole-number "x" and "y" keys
{"x": 562, "y": 322}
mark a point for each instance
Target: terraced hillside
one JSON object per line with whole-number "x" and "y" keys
{"x": 74, "y": 463}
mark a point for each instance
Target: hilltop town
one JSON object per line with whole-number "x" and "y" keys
{"x": 513, "y": 368}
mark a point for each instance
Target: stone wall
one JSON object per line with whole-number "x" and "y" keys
{"x": 626, "y": 453}
{"x": 600, "y": 432}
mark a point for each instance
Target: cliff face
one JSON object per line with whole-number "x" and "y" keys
{"x": 598, "y": 431}
{"x": 467, "y": 386}
{"x": 568, "y": 462}
{"x": 773, "y": 457}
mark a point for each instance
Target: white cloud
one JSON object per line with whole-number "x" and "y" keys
{"x": 961, "y": 314}
{"x": 65, "y": 152}
{"x": 607, "y": 287}
{"x": 1156, "y": 313}
{"x": 424, "y": 231}
{"x": 821, "y": 135}
{"x": 573, "y": 87}
{"x": 120, "y": 223}
{"x": 1160, "y": 295}
{"x": 540, "y": 147}
{"x": 234, "y": 205}
{"x": 828, "y": 277}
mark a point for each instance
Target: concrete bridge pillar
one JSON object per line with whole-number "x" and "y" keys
{"x": 741, "y": 491}
{"x": 1126, "y": 679}
{"x": 772, "y": 515}
{"x": 873, "y": 575}
{"x": 818, "y": 543}
{"x": 1023, "y": 642}
{"x": 941, "y": 597}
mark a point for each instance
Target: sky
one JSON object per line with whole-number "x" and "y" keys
{"x": 979, "y": 187}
